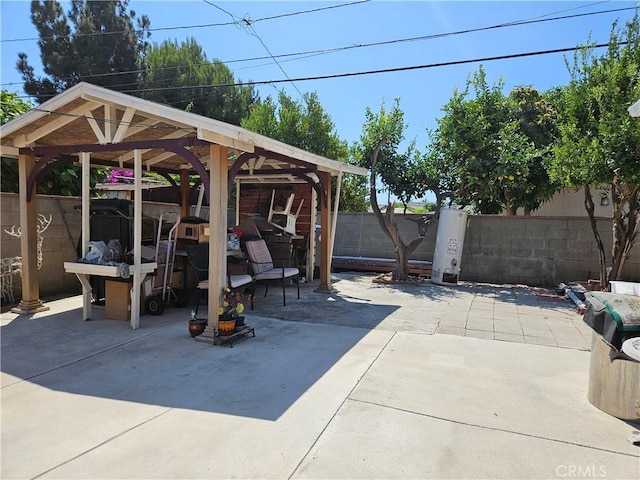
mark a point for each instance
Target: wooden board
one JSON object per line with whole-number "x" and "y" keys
{"x": 381, "y": 265}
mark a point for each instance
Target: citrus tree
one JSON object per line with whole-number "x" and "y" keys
{"x": 491, "y": 148}
{"x": 403, "y": 173}
{"x": 599, "y": 142}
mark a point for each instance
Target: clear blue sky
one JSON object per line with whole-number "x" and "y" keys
{"x": 422, "y": 91}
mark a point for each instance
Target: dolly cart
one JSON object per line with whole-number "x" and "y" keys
{"x": 162, "y": 291}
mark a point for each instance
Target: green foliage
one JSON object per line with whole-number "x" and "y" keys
{"x": 12, "y": 106}
{"x": 71, "y": 54}
{"x": 426, "y": 208}
{"x": 598, "y": 138}
{"x": 307, "y": 126}
{"x": 401, "y": 172}
{"x": 170, "y": 67}
{"x": 302, "y": 124}
{"x": 354, "y": 194}
{"x": 599, "y": 142}
{"x": 491, "y": 149}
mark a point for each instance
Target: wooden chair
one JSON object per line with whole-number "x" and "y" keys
{"x": 198, "y": 256}
{"x": 264, "y": 270}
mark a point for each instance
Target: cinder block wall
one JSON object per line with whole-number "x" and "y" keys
{"x": 536, "y": 251}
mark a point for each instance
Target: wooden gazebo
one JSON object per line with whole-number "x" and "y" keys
{"x": 96, "y": 127}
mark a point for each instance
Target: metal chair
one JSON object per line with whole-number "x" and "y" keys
{"x": 198, "y": 256}
{"x": 264, "y": 270}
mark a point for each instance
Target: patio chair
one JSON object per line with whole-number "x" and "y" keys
{"x": 264, "y": 270}
{"x": 286, "y": 219}
{"x": 198, "y": 256}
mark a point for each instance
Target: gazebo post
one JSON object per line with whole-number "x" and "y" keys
{"x": 30, "y": 302}
{"x": 325, "y": 232}
{"x": 217, "y": 237}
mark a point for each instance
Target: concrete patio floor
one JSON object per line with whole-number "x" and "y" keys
{"x": 370, "y": 381}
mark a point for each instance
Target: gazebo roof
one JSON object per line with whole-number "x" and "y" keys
{"x": 86, "y": 114}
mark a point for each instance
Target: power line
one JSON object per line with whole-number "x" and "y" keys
{"x": 249, "y": 29}
{"x": 374, "y": 72}
{"x": 309, "y": 11}
{"x": 367, "y": 45}
{"x": 206, "y": 25}
{"x": 403, "y": 69}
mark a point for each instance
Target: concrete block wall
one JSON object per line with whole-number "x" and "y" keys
{"x": 535, "y": 251}
{"x": 360, "y": 235}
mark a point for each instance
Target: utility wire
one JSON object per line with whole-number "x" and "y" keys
{"x": 251, "y": 31}
{"x": 206, "y": 25}
{"x": 325, "y": 51}
{"x": 374, "y": 72}
{"x": 401, "y": 69}
{"x": 309, "y": 11}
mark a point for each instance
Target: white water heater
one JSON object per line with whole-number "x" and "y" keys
{"x": 447, "y": 255}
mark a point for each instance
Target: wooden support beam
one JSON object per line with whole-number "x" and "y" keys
{"x": 325, "y": 232}
{"x": 30, "y": 302}
{"x": 217, "y": 237}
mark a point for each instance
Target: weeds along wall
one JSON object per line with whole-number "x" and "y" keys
{"x": 535, "y": 251}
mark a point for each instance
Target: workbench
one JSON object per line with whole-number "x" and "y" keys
{"x": 84, "y": 270}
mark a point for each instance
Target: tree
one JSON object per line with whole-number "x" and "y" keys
{"x": 11, "y": 106}
{"x": 401, "y": 172}
{"x": 307, "y": 126}
{"x": 104, "y": 47}
{"x": 536, "y": 118}
{"x": 599, "y": 142}
{"x": 180, "y": 75}
{"x": 492, "y": 148}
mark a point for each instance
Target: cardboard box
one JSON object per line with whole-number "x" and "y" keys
{"x": 117, "y": 302}
{"x": 203, "y": 233}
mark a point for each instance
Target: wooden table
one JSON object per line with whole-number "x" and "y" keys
{"x": 83, "y": 270}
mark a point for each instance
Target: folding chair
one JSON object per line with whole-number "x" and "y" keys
{"x": 198, "y": 256}
{"x": 263, "y": 268}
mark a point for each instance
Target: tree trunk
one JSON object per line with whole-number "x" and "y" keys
{"x": 626, "y": 226}
{"x": 589, "y": 207}
{"x": 389, "y": 225}
{"x": 401, "y": 271}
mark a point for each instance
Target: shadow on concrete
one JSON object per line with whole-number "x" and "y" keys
{"x": 356, "y": 302}
{"x": 160, "y": 364}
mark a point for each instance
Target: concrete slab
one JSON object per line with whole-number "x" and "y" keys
{"x": 354, "y": 384}
{"x": 163, "y": 405}
{"x": 410, "y": 445}
{"x": 449, "y": 407}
